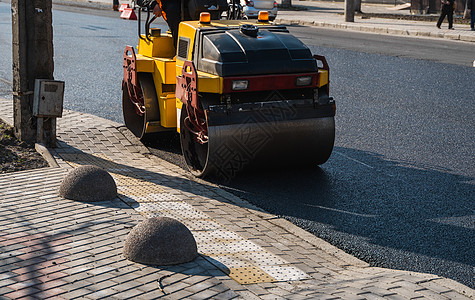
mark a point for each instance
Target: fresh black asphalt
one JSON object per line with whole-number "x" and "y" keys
{"x": 398, "y": 190}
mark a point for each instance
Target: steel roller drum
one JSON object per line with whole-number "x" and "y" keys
{"x": 277, "y": 134}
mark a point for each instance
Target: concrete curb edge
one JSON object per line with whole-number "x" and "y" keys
{"x": 456, "y": 286}
{"x": 46, "y": 154}
{"x": 377, "y": 30}
{"x": 319, "y": 243}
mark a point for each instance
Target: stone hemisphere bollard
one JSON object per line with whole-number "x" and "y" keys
{"x": 160, "y": 241}
{"x": 88, "y": 183}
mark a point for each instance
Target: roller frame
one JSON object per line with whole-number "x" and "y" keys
{"x": 222, "y": 131}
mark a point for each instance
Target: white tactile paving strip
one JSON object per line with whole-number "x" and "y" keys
{"x": 243, "y": 260}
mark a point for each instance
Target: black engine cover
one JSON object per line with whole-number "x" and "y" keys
{"x": 234, "y": 52}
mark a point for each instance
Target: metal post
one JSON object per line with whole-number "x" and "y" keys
{"x": 349, "y": 11}
{"x": 286, "y": 3}
{"x": 32, "y": 47}
{"x": 357, "y": 7}
{"x": 46, "y": 131}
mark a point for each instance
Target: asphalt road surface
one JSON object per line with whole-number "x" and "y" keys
{"x": 398, "y": 190}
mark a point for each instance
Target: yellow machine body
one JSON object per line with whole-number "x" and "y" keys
{"x": 238, "y": 92}
{"x": 157, "y": 57}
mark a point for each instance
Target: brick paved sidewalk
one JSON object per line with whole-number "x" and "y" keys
{"x": 52, "y": 247}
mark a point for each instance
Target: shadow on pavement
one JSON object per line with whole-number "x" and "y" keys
{"x": 387, "y": 213}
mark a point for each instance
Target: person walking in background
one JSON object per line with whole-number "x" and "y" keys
{"x": 471, "y": 6}
{"x": 115, "y": 5}
{"x": 447, "y": 10}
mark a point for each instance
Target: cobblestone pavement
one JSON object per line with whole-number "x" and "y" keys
{"x": 57, "y": 248}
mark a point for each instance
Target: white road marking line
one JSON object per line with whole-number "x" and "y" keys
{"x": 342, "y": 211}
{"x": 355, "y": 160}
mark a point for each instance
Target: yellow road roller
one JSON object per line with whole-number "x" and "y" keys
{"x": 240, "y": 93}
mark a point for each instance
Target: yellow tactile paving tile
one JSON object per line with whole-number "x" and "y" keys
{"x": 126, "y": 180}
{"x": 138, "y": 191}
{"x": 250, "y": 275}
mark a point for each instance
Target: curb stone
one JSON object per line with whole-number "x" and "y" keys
{"x": 45, "y": 153}
{"x": 317, "y": 242}
{"x": 377, "y": 30}
{"x": 454, "y": 285}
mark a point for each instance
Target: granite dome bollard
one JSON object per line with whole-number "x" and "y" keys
{"x": 160, "y": 241}
{"x": 88, "y": 183}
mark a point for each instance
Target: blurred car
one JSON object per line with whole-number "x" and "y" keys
{"x": 251, "y": 8}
